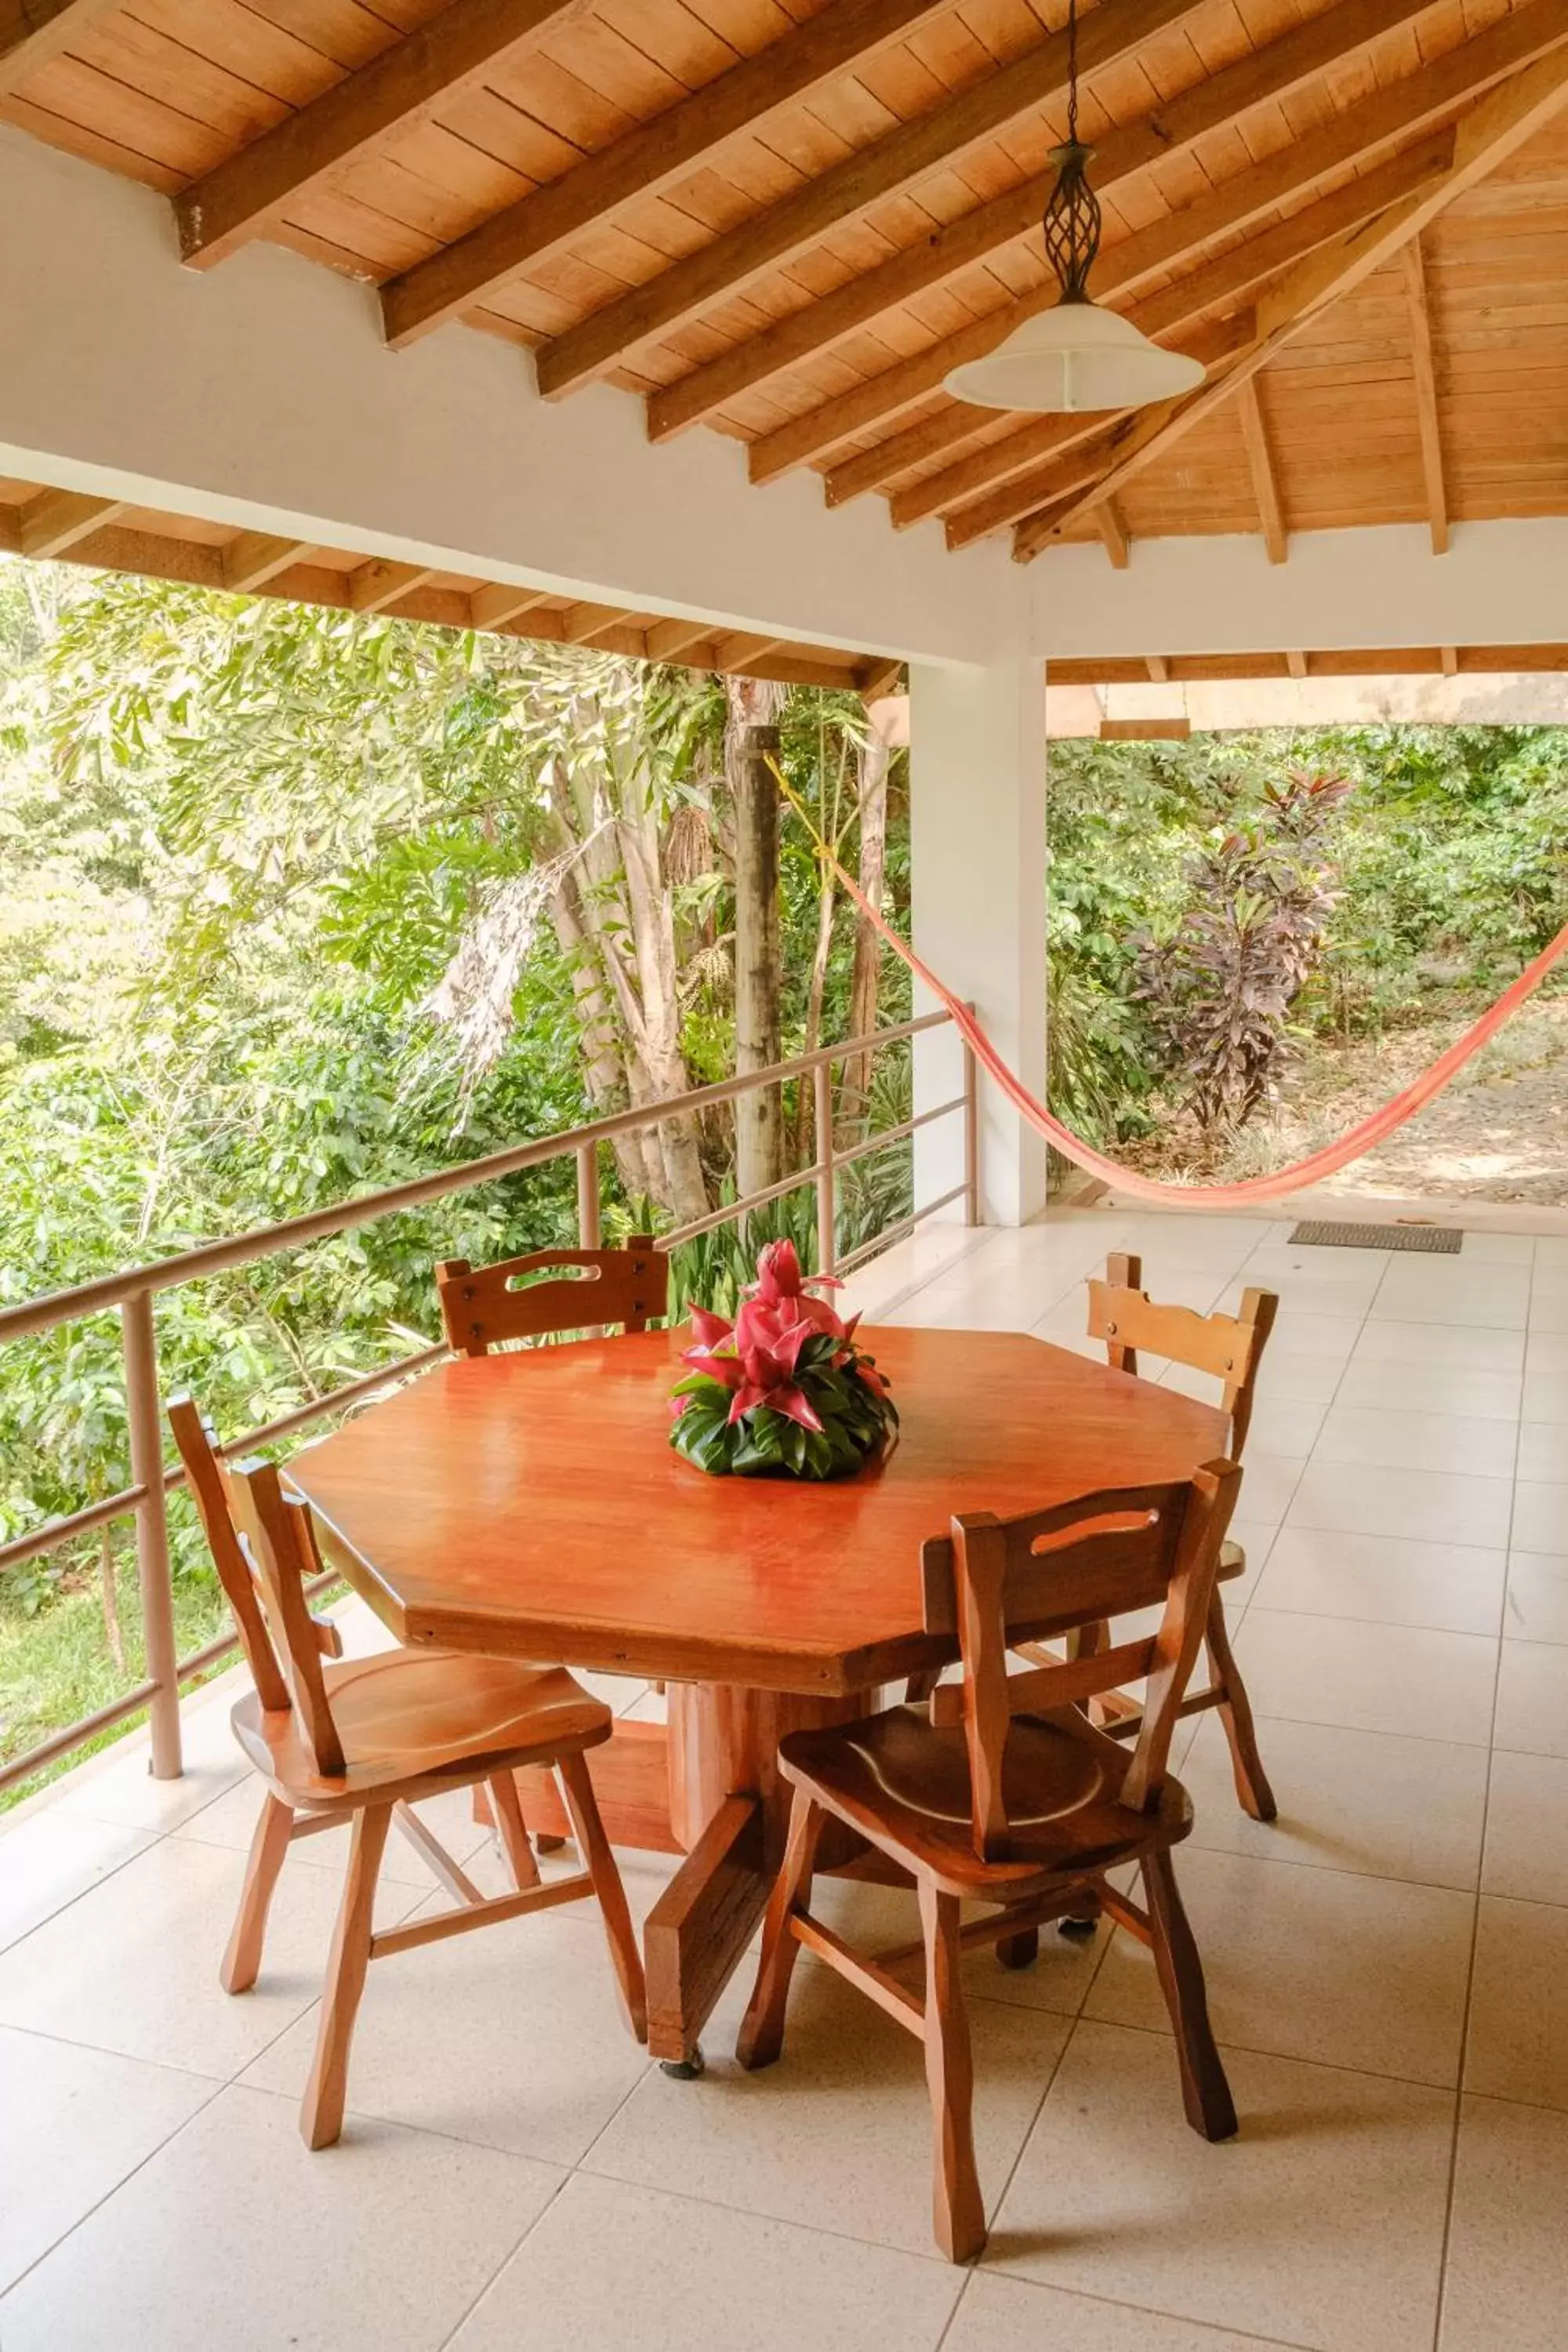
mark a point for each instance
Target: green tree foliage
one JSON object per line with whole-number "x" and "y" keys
{"x": 248, "y": 853}
{"x": 1451, "y": 851}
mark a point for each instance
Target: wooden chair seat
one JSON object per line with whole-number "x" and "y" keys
{"x": 1006, "y": 1792}
{"x": 904, "y": 1783}
{"x": 426, "y": 1715}
{"x": 360, "y": 1743}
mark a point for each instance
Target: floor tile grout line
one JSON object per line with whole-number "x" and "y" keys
{"x": 567, "y": 2176}
{"x": 1447, "y": 2237}
{"x": 98, "y": 2202}
{"x": 154, "y": 1837}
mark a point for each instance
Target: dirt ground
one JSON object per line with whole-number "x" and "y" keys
{"x": 1498, "y": 1133}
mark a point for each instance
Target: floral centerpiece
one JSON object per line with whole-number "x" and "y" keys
{"x": 783, "y": 1391}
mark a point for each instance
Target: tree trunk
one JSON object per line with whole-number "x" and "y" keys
{"x": 752, "y": 739}
{"x": 855, "y": 1090}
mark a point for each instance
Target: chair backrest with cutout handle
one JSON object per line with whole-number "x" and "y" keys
{"x": 263, "y": 1544}
{"x": 996, "y": 1584}
{"x": 480, "y": 1307}
{"x": 1122, "y": 1313}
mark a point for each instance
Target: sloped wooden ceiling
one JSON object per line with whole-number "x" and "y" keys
{"x": 785, "y": 221}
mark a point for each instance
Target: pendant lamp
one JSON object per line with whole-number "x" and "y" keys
{"x": 1075, "y": 355}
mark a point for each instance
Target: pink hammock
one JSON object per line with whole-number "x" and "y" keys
{"x": 1382, "y": 1122}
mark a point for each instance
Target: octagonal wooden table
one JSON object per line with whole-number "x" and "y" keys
{"x": 529, "y": 1505}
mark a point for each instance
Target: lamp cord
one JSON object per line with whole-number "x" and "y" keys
{"x": 1072, "y": 72}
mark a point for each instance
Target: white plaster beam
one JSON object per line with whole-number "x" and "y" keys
{"x": 1500, "y": 584}
{"x": 262, "y": 395}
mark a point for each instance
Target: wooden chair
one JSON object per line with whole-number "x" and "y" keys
{"x": 360, "y": 1742}
{"x": 479, "y": 1308}
{"x": 1230, "y": 1346}
{"x": 1007, "y": 1793}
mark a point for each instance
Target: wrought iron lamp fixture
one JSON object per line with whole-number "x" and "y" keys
{"x": 1075, "y": 355}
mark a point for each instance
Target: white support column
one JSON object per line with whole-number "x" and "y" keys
{"x": 977, "y": 851}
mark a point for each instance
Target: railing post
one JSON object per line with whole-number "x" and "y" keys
{"x": 588, "y": 1196}
{"x": 971, "y": 1133}
{"x": 144, "y": 1414}
{"x": 827, "y": 1236}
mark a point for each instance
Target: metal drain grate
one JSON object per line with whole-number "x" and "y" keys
{"x": 1435, "y": 1241}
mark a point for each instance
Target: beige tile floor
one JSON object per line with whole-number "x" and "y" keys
{"x": 1388, "y": 1964}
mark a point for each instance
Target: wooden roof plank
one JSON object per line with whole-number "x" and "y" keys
{"x": 1232, "y": 274}
{"x": 1401, "y": 110}
{"x": 642, "y": 163}
{"x": 1496, "y": 128}
{"x": 889, "y": 164}
{"x": 240, "y": 197}
{"x": 33, "y": 33}
{"x": 1170, "y": 129}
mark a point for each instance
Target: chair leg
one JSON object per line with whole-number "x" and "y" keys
{"x": 321, "y": 2113}
{"x": 1236, "y": 1714}
{"x": 958, "y": 2211}
{"x": 242, "y": 1961}
{"x": 595, "y": 1848}
{"x": 1205, "y": 2093}
{"x": 762, "y": 2030}
{"x": 512, "y": 1831}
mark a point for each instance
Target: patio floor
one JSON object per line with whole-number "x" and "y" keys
{"x": 1388, "y": 1964}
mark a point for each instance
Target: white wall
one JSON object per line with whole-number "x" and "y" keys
{"x": 261, "y": 394}
{"x": 977, "y": 856}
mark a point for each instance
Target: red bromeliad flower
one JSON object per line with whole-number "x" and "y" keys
{"x": 755, "y": 1357}
{"x": 787, "y": 1357}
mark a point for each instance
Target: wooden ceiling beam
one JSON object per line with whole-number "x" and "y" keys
{"x": 58, "y": 521}
{"x": 257, "y": 557}
{"x": 1387, "y": 118}
{"x": 1262, "y": 77}
{"x": 1113, "y": 31}
{"x": 1112, "y": 530}
{"x": 1404, "y": 661}
{"x": 376, "y": 586}
{"x": 248, "y": 193}
{"x": 1424, "y": 368}
{"x": 1212, "y": 286}
{"x": 1495, "y": 128}
{"x": 668, "y": 640}
{"x": 596, "y": 627}
{"x": 1260, "y": 465}
{"x": 34, "y": 32}
{"x": 491, "y": 605}
{"x": 737, "y": 651}
{"x": 643, "y": 163}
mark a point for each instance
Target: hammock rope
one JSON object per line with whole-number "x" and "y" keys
{"x": 1318, "y": 1165}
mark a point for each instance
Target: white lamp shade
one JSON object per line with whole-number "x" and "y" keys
{"x": 1074, "y": 356}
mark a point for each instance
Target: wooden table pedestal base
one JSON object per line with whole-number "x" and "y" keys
{"x": 706, "y": 1785}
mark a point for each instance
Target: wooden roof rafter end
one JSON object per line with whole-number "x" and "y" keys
{"x": 1397, "y": 661}
{"x": 108, "y": 535}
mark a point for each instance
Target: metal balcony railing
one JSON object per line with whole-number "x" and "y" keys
{"x": 133, "y": 1291}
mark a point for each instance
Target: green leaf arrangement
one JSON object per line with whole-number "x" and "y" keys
{"x": 783, "y": 1391}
